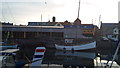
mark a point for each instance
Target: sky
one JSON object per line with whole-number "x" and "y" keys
{"x": 24, "y": 11}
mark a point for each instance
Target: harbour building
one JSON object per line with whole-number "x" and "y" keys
{"x": 51, "y": 29}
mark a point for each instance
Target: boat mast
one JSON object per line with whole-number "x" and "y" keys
{"x": 41, "y": 17}
{"x": 78, "y": 18}
{"x": 78, "y": 9}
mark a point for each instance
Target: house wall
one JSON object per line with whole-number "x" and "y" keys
{"x": 73, "y": 33}
{"x": 50, "y": 31}
{"x": 118, "y": 11}
{"x": 107, "y": 28}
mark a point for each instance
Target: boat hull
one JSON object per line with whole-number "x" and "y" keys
{"x": 88, "y": 46}
{"x": 3, "y": 47}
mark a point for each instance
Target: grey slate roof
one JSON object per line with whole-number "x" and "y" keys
{"x": 107, "y": 28}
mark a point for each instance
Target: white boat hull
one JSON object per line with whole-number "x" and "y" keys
{"x": 77, "y": 47}
{"x": 3, "y": 47}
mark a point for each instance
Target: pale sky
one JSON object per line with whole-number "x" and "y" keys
{"x": 24, "y": 11}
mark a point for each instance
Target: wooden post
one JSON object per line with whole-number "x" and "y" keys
{"x": 50, "y": 34}
{"x": 24, "y": 34}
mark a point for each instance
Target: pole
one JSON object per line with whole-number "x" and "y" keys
{"x": 78, "y": 9}
{"x": 115, "y": 53}
{"x": 41, "y": 17}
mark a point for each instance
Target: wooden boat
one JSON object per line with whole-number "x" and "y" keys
{"x": 87, "y": 46}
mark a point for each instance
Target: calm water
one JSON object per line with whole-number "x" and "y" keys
{"x": 69, "y": 58}
{"x": 65, "y": 59}
{"x": 76, "y": 59}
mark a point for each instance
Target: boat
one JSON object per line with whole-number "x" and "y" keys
{"x": 38, "y": 57}
{"x": 80, "y": 42}
{"x": 5, "y": 46}
{"x": 87, "y": 46}
{"x": 7, "y": 58}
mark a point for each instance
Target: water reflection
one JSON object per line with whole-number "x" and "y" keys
{"x": 70, "y": 59}
{"x": 73, "y": 59}
{"x": 90, "y": 55}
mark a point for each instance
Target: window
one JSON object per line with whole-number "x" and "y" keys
{"x": 58, "y": 25}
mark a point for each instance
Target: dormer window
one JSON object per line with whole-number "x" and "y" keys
{"x": 58, "y": 25}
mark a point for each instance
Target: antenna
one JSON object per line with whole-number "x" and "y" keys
{"x": 78, "y": 9}
{"x": 41, "y": 17}
{"x": 92, "y": 21}
{"x": 99, "y": 18}
{"x": 95, "y": 21}
{"x": 99, "y": 24}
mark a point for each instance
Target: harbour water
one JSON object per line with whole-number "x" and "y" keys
{"x": 69, "y": 59}
{"x": 101, "y": 57}
{"x": 72, "y": 59}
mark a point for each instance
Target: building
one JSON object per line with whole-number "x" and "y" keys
{"x": 60, "y": 23}
{"x": 88, "y": 30}
{"x": 38, "y": 24}
{"x": 65, "y": 31}
{"x": 53, "y": 23}
{"x": 77, "y": 22}
{"x": 116, "y": 32}
{"x": 6, "y": 23}
{"x": 107, "y": 28}
{"x": 110, "y": 30}
{"x": 118, "y": 11}
{"x": 119, "y": 19}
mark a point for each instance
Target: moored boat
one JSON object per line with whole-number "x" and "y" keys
{"x": 87, "y": 46}
{"x": 4, "y": 46}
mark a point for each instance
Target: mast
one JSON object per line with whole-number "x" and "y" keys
{"x": 78, "y": 18}
{"x": 41, "y": 17}
{"x": 78, "y": 9}
{"x": 99, "y": 25}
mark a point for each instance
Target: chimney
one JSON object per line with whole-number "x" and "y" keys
{"x": 53, "y": 19}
